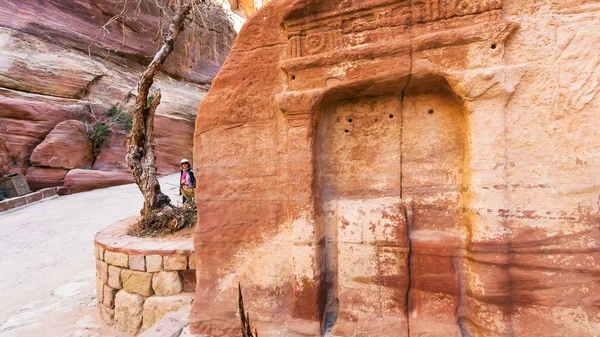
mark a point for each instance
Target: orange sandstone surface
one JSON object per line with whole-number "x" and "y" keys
{"x": 403, "y": 168}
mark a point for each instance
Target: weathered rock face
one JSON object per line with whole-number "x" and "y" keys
{"x": 39, "y": 177}
{"x": 66, "y": 146}
{"x": 79, "y": 180}
{"x": 246, "y": 8}
{"x": 396, "y": 168}
{"x": 48, "y": 76}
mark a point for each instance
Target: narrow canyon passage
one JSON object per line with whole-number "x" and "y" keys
{"x": 384, "y": 160}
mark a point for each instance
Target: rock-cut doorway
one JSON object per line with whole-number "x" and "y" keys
{"x": 390, "y": 178}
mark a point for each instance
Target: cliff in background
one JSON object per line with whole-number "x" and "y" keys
{"x": 61, "y": 69}
{"x": 246, "y": 8}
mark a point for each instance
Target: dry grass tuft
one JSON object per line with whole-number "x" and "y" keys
{"x": 166, "y": 221}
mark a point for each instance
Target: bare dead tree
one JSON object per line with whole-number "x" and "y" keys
{"x": 140, "y": 142}
{"x": 178, "y": 14}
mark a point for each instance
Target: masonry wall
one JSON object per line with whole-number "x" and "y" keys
{"x": 139, "y": 280}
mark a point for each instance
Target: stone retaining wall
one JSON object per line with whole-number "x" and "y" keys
{"x": 139, "y": 280}
{"x": 27, "y": 199}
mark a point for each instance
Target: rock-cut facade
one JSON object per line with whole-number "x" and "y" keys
{"x": 403, "y": 168}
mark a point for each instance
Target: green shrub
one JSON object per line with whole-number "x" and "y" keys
{"x": 113, "y": 111}
{"x": 123, "y": 120}
{"x": 129, "y": 124}
{"x": 101, "y": 134}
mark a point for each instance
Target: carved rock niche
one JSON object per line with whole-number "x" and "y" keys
{"x": 388, "y": 167}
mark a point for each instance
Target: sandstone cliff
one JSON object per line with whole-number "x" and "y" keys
{"x": 403, "y": 168}
{"x": 246, "y": 8}
{"x": 61, "y": 64}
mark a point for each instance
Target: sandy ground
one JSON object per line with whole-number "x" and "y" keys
{"x": 47, "y": 268}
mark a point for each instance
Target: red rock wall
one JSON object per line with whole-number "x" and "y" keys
{"x": 461, "y": 200}
{"x": 48, "y": 77}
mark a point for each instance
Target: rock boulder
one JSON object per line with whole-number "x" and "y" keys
{"x": 41, "y": 177}
{"x": 78, "y": 180}
{"x": 67, "y": 146}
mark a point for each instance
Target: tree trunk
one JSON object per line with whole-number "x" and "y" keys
{"x": 140, "y": 142}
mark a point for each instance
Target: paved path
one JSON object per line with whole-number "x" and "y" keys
{"x": 47, "y": 269}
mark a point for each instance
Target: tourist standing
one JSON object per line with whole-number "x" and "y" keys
{"x": 187, "y": 181}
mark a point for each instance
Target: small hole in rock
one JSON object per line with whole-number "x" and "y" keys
{"x": 391, "y": 116}
{"x": 293, "y": 77}
{"x": 346, "y": 131}
{"x": 430, "y": 111}
{"x": 494, "y": 46}
{"x": 349, "y": 120}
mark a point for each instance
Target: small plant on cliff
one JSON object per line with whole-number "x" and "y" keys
{"x": 150, "y": 99}
{"x": 121, "y": 119}
{"x": 100, "y": 127}
{"x": 99, "y": 133}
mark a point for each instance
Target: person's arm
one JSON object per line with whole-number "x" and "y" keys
{"x": 180, "y": 183}
{"x": 192, "y": 178}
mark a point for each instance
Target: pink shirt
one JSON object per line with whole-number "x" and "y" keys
{"x": 185, "y": 178}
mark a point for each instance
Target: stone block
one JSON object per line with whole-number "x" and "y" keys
{"x": 154, "y": 263}
{"x": 192, "y": 261}
{"x": 171, "y": 325}
{"x": 167, "y": 283}
{"x": 3, "y": 206}
{"x": 137, "y": 262}
{"x": 99, "y": 252}
{"x": 33, "y": 197}
{"x": 16, "y": 202}
{"x": 175, "y": 262}
{"x": 107, "y": 314}
{"x": 114, "y": 277}
{"x": 48, "y": 192}
{"x": 116, "y": 259}
{"x": 109, "y": 296}
{"x": 189, "y": 280}
{"x": 137, "y": 282}
{"x": 128, "y": 311}
{"x": 102, "y": 270}
{"x": 157, "y": 307}
{"x": 166, "y": 327}
{"x": 99, "y": 290}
